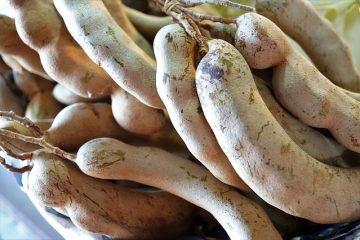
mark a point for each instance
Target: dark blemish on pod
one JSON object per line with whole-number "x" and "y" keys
{"x": 169, "y": 38}
{"x": 83, "y": 27}
{"x": 214, "y": 71}
{"x": 354, "y": 141}
{"x": 166, "y": 78}
{"x": 118, "y": 62}
{"x": 262, "y": 129}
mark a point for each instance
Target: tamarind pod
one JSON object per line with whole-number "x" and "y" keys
{"x": 80, "y": 122}
{"x": 8, "y": 100}
{"x": 64, "y": 226}
{"x": 119, "y": 213}
{"x": 175, "y": 53}
{"x": 12, "y": 63}
{"x": 111, "y": 159}
{"x": 326, "y": 48}
{"x": 62, "y": 58}
{"x": 311, "y": 141}
{"x": 43, "y": 106}
{"x": 133, "y": 116}
{"x": 108, "y": 45}
{"x": 261, "y": 152}
{"x": 30, "y": 84}
{"x": 67, "y": 97}
{"x": 44, "y": 124}
{"x": 11, "y": 44}
{"x": 297, "y": 84}
{"x": 147, "y": 24}
{"x": 117, "y": 11}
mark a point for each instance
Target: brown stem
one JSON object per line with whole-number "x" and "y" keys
{"x": 40, "y": 142}
{"x": 35, "y": 129}
{"x": 201, "y": 17}
{"x": 14, "y": 169}
{"x": 20, "y": 156}
{"x": 226, "y": 3}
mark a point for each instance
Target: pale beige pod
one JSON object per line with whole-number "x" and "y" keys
{"x": 175, "y": 54}
{"x": 326, "y": 48}
{"x": 264, "y": 156}
{"x": 297, "y": 84}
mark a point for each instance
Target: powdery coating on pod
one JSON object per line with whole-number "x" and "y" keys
{"x": 117, "y": 11}
{"x": 11, "y": 44}
{"x": 324, "y": 45}
{"x": 133, "y": 116}
{"x": 12, "y": 63}
{"x": 101, "y": 207}
{"x": 67, "y": 97}
{"x": 261, "y": 152}
{"x": 42, "y": 106}
{"x": 311, "y": 141}
{"x": 147, "y": 24}
{"x": 62, "y": 58}
{"x": 298, "y": 85}
{"x": 111, "y": 159}
{"x": 92, "y": 26}
{"x": 8, "y": 101}
{"x": 78, "y": 123}
{"x": 175, "y": 52}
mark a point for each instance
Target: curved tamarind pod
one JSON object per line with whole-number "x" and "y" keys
{"x": 147, "y": 24}
{"x": 62, "y": 58}
{"x": 8, "y": 101}
{"x": 297, "y": 84}
{"x": 119, "y": 213}
{"x": 133, "y": 116}
{"x": 311, "y": 141}
{"x": 11, "y": 44}
{"x": 325, "y": 46}
{"x": 43, "y": 106}
{"x": 108, "y": 45}
{"x": 283, "y": 174}
{"x": 67, "y": 97}
{"x": 78, "y": 123}
{"x": 354, "y": 95}
{"x": 175, "y": 53}
{"x": 111, "y": 159}
{"x": 30, "y": 84}
{"x": 117, "y": 11}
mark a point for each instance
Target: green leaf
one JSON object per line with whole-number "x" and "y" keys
{"x": 331, "y": 14}
{"x": 351, "y": 16}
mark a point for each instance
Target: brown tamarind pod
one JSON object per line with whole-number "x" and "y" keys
{"x": 11, "y": 44}
{"x": 43, "y": 106}
{"x": 62, "y": 58}
{"x": 30, "y": 84}
{"x": 119, "y": 212}
{"x": 67, "y": 97}
{"x": 117, "y": 11}
{"x": 8, "y": 100}
{"x": 326, "y": 48}
{"x": 175, "y": 52}
{"x": 261, "y": 152}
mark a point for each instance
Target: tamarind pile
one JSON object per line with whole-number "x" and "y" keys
{"x": 135, "y": 126}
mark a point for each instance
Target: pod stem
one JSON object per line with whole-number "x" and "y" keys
{"x": 36, "y": 139}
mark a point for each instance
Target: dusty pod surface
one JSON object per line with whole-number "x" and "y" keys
{"x": 78, "y": 123}
{"x": 134, "y": 116}
{"x": 128, "y": 65}
{"x": 30, "y": 84}
{"x": 62, "y": 58}
{"x": 119, "y": 212}
{"x": 326, "y": 48}
{"x": 317, "y": 103}
{"x": 112, "y": 159}
{"x": 67, "y": 97}
{"x": 175, "y": 52}
{"x": 245, "y": 129}
{"x": 12, "y": 45}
